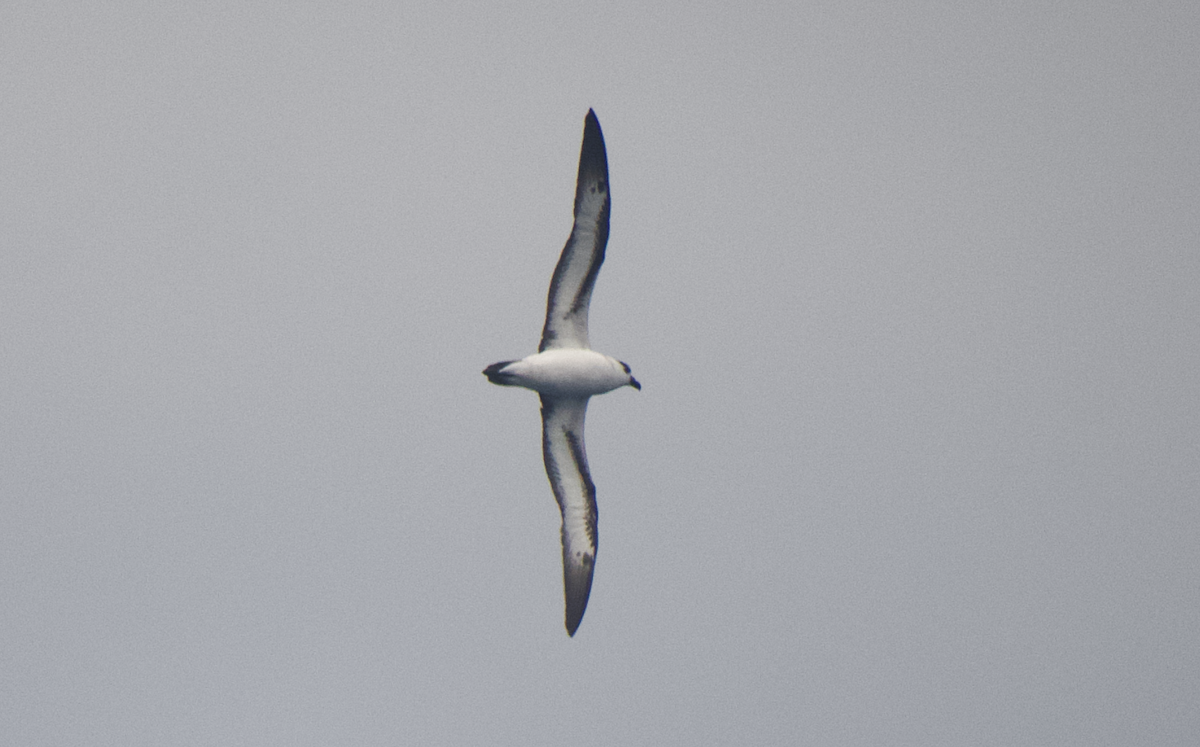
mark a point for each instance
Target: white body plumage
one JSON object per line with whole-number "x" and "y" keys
{"x": 567, "y": 372}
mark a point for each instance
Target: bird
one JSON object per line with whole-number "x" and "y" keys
{"x": 566, "y": 372}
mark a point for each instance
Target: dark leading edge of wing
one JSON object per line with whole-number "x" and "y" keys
{"x": 567, "y": 468}
{"x": 575, "y": 275}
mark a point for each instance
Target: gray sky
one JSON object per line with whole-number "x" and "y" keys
{"x": 913, "y": 290}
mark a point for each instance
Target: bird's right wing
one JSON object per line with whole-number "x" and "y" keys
{"x": 579, "y": 264}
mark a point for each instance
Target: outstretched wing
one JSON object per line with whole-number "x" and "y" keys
{"x": 575, "y": 275}
{"x": 567, "y": 468}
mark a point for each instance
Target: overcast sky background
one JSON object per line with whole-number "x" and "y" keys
{"x": 913, "y": 289}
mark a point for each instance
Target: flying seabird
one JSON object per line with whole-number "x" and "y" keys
{"x": 566, "y": 372}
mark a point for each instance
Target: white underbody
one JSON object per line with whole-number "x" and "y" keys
{"x": 568, "y": 372}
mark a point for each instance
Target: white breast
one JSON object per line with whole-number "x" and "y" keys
{"x": 569, "y": 372}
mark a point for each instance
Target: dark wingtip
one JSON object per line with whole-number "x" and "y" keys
{"x": 578, "y": 587}
{"x": 635, "y": 384}
{"x": 593, "y": 157}
{"x": 575, "y": 616}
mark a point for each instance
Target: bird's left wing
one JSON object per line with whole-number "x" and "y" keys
{"x": 579, "y": 264}
{"x": 567, "y": 468}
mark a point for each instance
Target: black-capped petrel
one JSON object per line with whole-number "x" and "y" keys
{"x": 566, "y": 372}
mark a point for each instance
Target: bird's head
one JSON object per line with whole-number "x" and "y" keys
{"x": 632, "y": 381}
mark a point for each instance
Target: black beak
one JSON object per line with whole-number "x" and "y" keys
{"x": 634, "y": 383}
